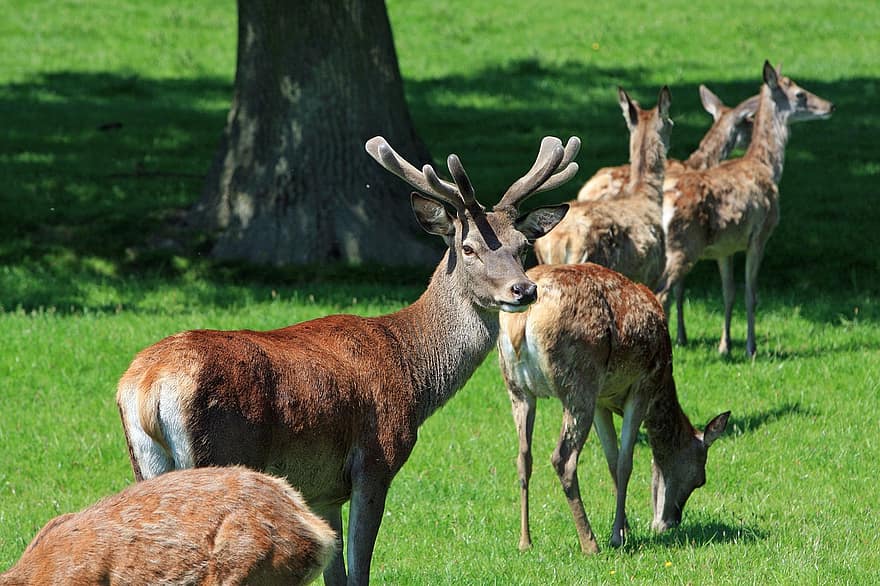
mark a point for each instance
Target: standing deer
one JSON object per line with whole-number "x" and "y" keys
{"x": 732, "y": 128}
{"x": 334, "y": 404}
{"x": 624, "y": 233}
{"x": 599, "y": 343}
{"x": 211, "y": 526}
{"x": 734, "y": 207}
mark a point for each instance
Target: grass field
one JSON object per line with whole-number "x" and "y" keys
{"x": 111, "y": 112}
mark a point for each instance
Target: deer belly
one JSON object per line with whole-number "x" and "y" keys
{"x": 526, "y": 367}
{"x": 319, "y": 474}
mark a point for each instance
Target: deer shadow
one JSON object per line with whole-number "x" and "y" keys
{"x": 698, "y": 534}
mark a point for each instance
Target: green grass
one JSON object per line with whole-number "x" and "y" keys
{"x": 85, "y": 281}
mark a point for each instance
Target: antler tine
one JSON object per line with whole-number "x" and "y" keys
{"x": 441, "y": 189}
{"x": 426, "y": 181}
{"x": 540, "y": 177}
{"x": 568, "y": 166}
{"x": 465, "y": 187}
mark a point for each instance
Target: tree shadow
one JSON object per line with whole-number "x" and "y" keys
{"x": 99, "y": 165}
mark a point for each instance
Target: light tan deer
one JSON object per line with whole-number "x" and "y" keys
{"x": 209, "y": 526}
{"x": 334, "y": 404}
{"x": 732, "y": 128}
{"x": 599, "y": 343}
{"x": 734, "y": 207}
{"x": 624, "y": 233}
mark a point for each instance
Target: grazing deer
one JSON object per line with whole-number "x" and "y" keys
{"x": 208, "y": 526}
{"x": 599, "y": 343}
{"x": 734, "y": 207}
{"x": 732, "y": 128}
{"x": 624, "y": 233}
{"x": 334, "y": 404}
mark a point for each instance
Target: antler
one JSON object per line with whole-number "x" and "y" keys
{"x": 459, "y": 195}
{"x": 553, "y": 167}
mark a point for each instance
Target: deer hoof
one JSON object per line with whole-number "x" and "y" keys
{"x": 590, "y": 547}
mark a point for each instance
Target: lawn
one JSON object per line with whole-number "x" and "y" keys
{"x": 111, "y": 112}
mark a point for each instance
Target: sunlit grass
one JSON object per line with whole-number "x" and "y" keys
{"x": 111, "y": 114}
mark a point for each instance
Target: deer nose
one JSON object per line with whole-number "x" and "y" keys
{"x": 524, "y": 292}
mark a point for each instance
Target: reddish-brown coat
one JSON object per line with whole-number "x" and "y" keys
{"x": 206, "y": 526}
{"x": 716, "y": 212}
{"x": 599, "y": 343}
{"x": 624, "y": 233}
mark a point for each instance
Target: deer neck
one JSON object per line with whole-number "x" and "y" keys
{"x": 647, "y": 166}
{"x": 769, "y": 134}
{"x": 445, "y": 336}
{"x": 715, "y": 147}
{"x": 668, "y": 427}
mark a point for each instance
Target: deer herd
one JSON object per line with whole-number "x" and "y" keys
{"x": 246, "y": 444}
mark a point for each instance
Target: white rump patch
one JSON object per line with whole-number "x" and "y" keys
{"x": 151, "y": 457}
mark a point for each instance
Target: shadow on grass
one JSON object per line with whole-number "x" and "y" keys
{"x": 742, "y": 424}
{"x": 699, "y": 534}
{"x": 97, "y": 166}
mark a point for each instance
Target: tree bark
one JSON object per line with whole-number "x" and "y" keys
{"x": 291, "y": 182}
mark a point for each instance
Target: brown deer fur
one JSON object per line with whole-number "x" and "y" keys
{"x": 210, "y": 526}
{"x": 624, "y": 233}
{"x": 731, "y": 128}
{"x": 599, "y": 343}
{"x": 334, "y": 404}
{"x": 734, "y": 206}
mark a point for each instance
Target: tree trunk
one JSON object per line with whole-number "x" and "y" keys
{"x": 291, "y": 182}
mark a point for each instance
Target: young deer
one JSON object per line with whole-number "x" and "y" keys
{"x": 734, "y": 207}
{"x": 732, "y": 128}
{"x": 599, "y": 343}
{"x": 334, "y": 404}
{"x": 624, "y": 233}
{"x": 207, "y": 526}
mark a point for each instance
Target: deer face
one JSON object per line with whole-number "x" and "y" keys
{"x": 673, "y": 482}
{"x": 789, "y": 96}
{"x": 676, "y": 475}
{"x": 486, "y": 250}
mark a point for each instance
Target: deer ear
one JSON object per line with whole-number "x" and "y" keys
{"x": 630, "y": 110}
{"x": 711, "y": 103}
{"x": 771, "y": 76}
{"x": 664, "y": 102}
{"x": 715, "y": 428}
{"x": 432, "y": 215}
{"x": 539, "y": 221}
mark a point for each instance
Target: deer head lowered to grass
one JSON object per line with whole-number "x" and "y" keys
{"x": 599, "y": 343}
{"x": 334, "y": 404}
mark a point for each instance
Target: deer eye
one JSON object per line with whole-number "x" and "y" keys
{"x": 467, "y": 249}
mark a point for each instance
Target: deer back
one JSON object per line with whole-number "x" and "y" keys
{"x": 206, "y": 526}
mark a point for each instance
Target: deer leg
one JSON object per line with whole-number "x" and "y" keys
{"x": 564, "y": 459}
{"x": 681, "y": 334}
{"x": 754, "y": 255}
{"x": 672, "y": 280}
{"x": 365, "y": 516}
{"x": 334, "y": 573}
{"x": 524, "y": 418}
{"x": 603, "y": 422}
{"x": 633, "y": 414}
{"x": 728, "y": 290}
